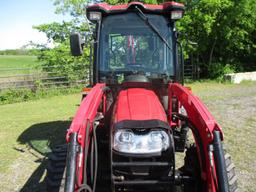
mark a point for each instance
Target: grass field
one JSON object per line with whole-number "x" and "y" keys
{"x": 16, "y": 61}
{"x": 28, "y": 130}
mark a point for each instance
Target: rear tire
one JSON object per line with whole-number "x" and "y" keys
{"x": 55, "y": 177}
{"x": 192, "y": 168}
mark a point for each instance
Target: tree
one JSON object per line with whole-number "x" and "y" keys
{"x": 224, "y": 31}
{"x": 58, "y": 59}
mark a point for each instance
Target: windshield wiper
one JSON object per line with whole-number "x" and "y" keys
{"x": 152, "y": 26}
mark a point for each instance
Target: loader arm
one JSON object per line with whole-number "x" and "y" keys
{"x": 203, "y": 126}
{"x": 78, "y": 137}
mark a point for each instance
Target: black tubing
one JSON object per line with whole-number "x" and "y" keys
{"x": 86, "y": 148}
{"x": 96, "y": 157}
{"x": 92, "y": 161}
{"x": 84, "y": 187}
{"x": 220, "y": 163}
{"x": 71, "y": 164}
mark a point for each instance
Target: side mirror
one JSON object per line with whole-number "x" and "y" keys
{"x": 76, "y": 44}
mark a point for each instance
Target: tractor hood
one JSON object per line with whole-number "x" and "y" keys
{"x": 138, "y": 104}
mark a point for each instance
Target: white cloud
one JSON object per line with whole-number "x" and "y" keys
{"x": 17, "y": 36}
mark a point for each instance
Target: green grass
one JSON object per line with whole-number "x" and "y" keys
{"x": 28, "y": 130}
{"x": 16, "y": 61}
{"x": 32, "y": 123}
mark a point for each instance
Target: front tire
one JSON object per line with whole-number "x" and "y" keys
{"x": 55, "y": 177}
{"x": 232, "y": 177}
{"x": 192, "y": 168}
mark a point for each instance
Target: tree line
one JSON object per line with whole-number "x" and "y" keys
{"x": 223, "y": 33}
{"x": 17, "y": 52}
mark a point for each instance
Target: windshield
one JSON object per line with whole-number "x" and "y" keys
{"x": 129, "y": 46}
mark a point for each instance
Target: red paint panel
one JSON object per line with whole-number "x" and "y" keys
{"x": 139, "y": 104}
{"x": 123, "y": 7}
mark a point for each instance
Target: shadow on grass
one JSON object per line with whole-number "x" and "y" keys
{"x": 42, "y": 138}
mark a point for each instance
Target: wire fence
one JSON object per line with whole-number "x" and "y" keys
{"x": 31, "y": 78}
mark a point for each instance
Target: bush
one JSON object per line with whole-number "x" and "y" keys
{"x": 19, "y": 95}
{"x": 59, "y": 62}
{"x": 218, "y": 70}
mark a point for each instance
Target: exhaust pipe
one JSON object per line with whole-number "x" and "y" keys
{"x": 71, "y": 164}
{"x": 220, "y": 163}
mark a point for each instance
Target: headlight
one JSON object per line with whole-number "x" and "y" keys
{"x": 151, "y": 142}
{"x": 95, "y": 16}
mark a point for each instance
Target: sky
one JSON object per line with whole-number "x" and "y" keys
{"x": 17, "y": 18}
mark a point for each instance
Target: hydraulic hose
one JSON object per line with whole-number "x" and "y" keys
{"x": 92, "y": 161}
{"x": 96, "y": 155}
{"x": 86, "y": 148}
{"x": 220, "y": 163}
{"x": 84, "y": 187}
{"x": 71, "y": 164}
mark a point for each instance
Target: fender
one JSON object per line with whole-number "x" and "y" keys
{"x": 204, "y": 122}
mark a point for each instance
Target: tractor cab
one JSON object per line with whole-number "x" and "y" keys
{"x": 134, "y": 42}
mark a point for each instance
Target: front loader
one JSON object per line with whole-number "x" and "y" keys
{"x": 137, "y": 116}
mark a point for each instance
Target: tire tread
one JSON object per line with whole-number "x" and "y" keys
{"x": 55, "y": 177}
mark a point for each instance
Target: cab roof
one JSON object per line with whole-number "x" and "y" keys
{"x": 163, "y": 8}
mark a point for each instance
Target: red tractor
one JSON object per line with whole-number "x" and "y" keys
{"x": 128, "y": 130}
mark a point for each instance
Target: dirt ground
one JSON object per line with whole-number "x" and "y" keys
{"x": 233, "y": 106}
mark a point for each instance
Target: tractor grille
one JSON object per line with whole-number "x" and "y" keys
{"x": 151, "y": 173}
